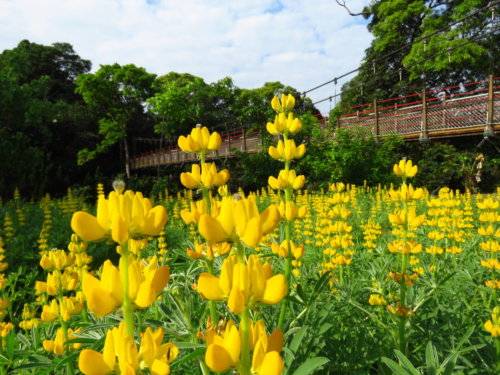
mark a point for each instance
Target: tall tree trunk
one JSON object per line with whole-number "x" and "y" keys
{"x": 127, "y": 157}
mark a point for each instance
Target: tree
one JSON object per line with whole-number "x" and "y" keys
{"x": 423, "y": 44}
{"x": 177, "y": 104}
{"x": 40, "y": 117}
{"x": 117, "y": 96}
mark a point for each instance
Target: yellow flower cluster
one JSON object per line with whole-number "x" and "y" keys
{"x": 121, "y": 217}
{"x": 120, "y": 353}
{"x": 224, "y": 350}
{"x": 243, "y": 285}
{"x": 145, "y": 282}
{"x": 493, "y": 325}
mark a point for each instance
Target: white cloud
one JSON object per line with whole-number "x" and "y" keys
{"x": 298, "y": 42}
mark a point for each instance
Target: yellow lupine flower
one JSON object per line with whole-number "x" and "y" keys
{"x": 492, "y": 246}
{"x": 197, "y": 209}
{"x": 405, "y": 169}
{"x": 492, "y": 264}
{"x": 287, "y": 179}
{"x": 155, "y": 355}
{"x": 207, "y": 176}
{"x": 404, "y": 247}
{"x": 339, "y": 198}
{"x": 56, "y": 259}
{"x": 239, "y": 218}
{"x": 223, "y": 351}
{"x": 200, "y": 140}
{"x": 282, "y": 249}
{"x": 58, "y": 345}
{"x": 290, "y": 211}
{"x": 493, "y": 325}
{"x": 286, "y": 103}
{"x": 434, "y": 250}
{"x": 243, "y": 284}
{"x": 286, "y": 151}
{"x": 145, "y": 282}
{"x": 336, "y": 187}
{"x": 489, "y": 231}
{"x": 5, "y": 328}
{"x": 117, "y": 345}
{"x": 50, "y": 312}
{"x": 406, "y": 193}
{"x": 377, "y": 300}
{"x": 411, "y": 219}
{"x": 208, "y": 251}
{"x": 284, "y": 124}
{"x": 488, "y": 204}
{"x": 121, "y": 216}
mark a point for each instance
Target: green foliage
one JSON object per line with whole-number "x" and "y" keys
{"x": 449, "y": 164}
{"x": 351, "y": 156}
{"x": 448, "y": 43}
{"x": 41, "y": 119}
{"x": 115, "y": 94}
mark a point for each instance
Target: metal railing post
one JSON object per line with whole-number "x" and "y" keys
{"x": 489, "y": 130}
{"x": 376, "y": 130}
{"x": 424, "y": 134}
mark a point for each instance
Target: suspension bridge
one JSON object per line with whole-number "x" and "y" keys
{"x": 457, "y": 111}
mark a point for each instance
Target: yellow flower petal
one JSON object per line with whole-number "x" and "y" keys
{"x": 253, "y": 232}
{"x": 91, "y": 362}
{"x": 145, "y": 295}
{"x": 275, "y": 290}
{"x": 218, "y": 358}
{"x": 271, "y": 364}
{"x": 208, "y": 286}
{"x": 211, "y": 229}
{"x": 87, "y": 227}
{"x": 119, "y": 230}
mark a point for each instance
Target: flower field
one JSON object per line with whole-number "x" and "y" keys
{"x": 353, "y": 280}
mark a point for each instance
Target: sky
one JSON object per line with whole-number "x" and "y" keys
{"x": 301, "y": 43}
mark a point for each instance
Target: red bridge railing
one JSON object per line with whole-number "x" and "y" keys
{"x": 472, "y": 108}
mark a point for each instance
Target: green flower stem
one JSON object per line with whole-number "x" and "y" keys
{"x": 288, "y": 235}
{"x": 128, "y": 314}
{"x": 402, "y": 304}
{"x": 64, "y": 325}
{"x": 497, "y": 343}
{"x": 211, "y": 304}
{"x": 402, "y": 293}
{"x": 245, "y": 362}
{"x": 240, "y": 251}
{"x": 85, "y": 311}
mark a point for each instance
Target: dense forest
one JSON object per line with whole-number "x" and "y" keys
{"x": 62, "y": 125}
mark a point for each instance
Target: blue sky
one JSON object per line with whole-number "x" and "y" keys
{"x": 301, "y": 43}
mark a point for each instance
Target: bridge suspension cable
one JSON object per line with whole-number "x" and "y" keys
{"x": 392, "y": 72}
{"x": 417, "y": 40}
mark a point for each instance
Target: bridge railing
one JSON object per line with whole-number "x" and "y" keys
{"x": 472, "y": 108}
{"x": 238, "y": 140}
{"x": 474, "y": 111}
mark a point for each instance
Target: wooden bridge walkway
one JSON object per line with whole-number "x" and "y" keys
{"x": 463, "y": 110}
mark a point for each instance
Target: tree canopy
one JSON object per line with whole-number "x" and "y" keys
{"x": 62, "y": 125}
{"x": 421, "y": 44}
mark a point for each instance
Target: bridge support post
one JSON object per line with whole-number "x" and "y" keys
{"x": 424, "y": 134}
{"x": 376, "y": 130}
{"x": 489, "y": 130}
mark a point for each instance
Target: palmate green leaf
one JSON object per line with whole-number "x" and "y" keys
{"x": 431, "y": 359}
{"x": 395, "y": 368}
{"x": 406, "y": 362}
{"x": 311, "y": 365}
{"x": 190, "y": 357}
{"x": 449, "y": 364}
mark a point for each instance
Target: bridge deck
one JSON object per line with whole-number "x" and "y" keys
{"x": 474, "y": 112}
